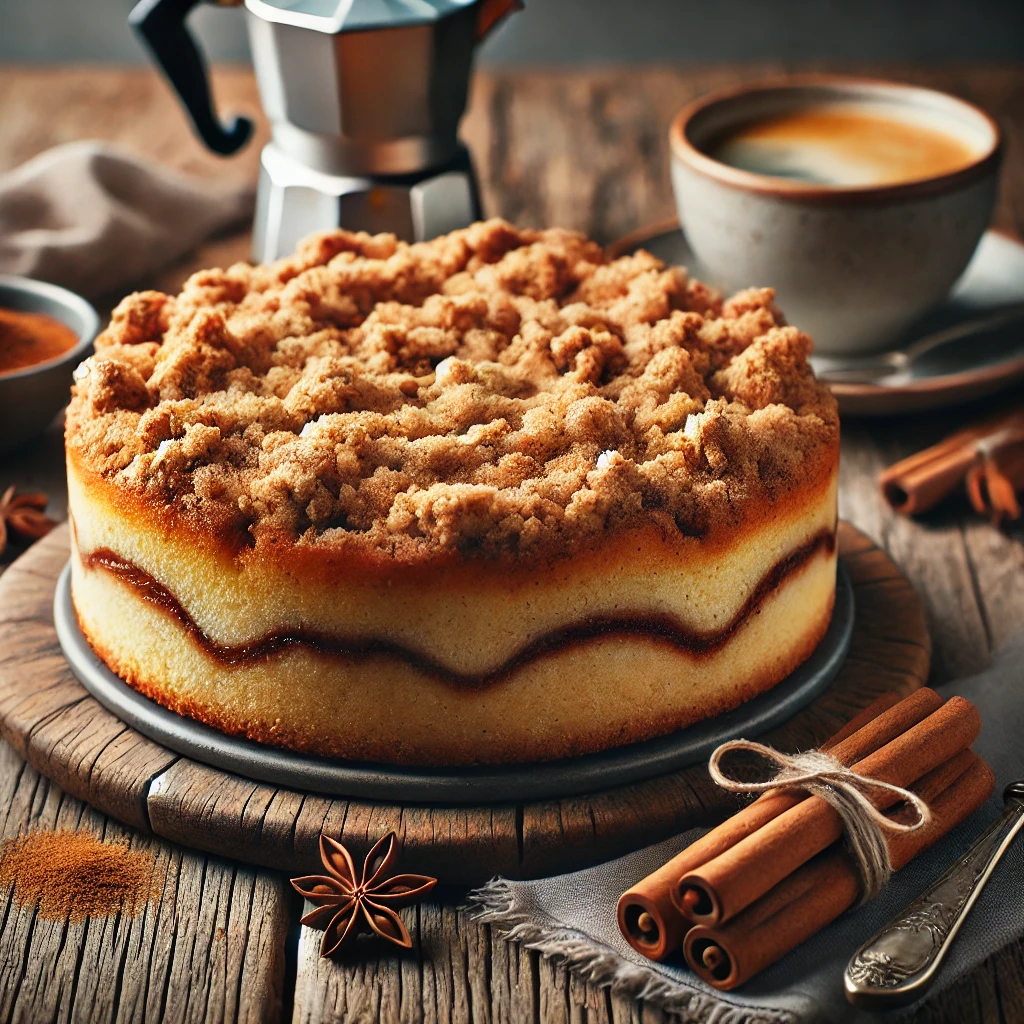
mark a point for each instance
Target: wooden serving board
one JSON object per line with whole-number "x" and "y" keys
{"x": 50, "y": 719}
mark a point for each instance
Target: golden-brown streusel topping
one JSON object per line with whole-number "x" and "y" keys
{"x": 494, "y": 390}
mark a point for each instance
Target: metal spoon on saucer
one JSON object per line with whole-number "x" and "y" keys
{"x": 898, "y": 965}
{"x": 893, "y": 366}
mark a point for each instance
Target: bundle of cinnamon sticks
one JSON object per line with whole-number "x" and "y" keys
{"x": 988, "y": 459}
{"x": 776, "y": 872}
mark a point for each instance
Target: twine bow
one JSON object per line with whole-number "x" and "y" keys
{"x": 843, "y": 789}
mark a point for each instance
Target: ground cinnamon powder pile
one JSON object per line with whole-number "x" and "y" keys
{"x": 73, "y": 875}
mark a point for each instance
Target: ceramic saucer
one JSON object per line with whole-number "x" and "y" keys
{"x": 958, "y": 372}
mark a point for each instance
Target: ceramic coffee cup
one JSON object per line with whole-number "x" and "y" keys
{"x": 853, "y": 265}
{"x": 32, "y": 396}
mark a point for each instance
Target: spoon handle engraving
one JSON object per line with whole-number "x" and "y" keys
{"x": 898, "y": 964}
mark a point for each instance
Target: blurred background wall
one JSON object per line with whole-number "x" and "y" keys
{"x": 600, "y": 31}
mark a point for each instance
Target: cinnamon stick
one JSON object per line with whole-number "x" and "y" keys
{"x": 648, "y": 913}
{"x": 918, "y": 483}
{"x": 877, "y": 707}
{"x": 888, "y": 726}
{"x": 825, "y": 887}
{"x": 993, "y": 484}
{"x": 719, "y": 889}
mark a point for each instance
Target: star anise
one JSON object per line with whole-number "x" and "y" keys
{"x": 347, "y": 903}
{"x": 22, "y": 516}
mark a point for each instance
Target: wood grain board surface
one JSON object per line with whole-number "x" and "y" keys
{"x": 211, "y": 948}
{"x": 585, "y": 149}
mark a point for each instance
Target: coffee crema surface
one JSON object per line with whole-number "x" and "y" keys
{"x": 844, "y": 146}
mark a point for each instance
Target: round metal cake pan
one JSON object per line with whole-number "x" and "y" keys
{"x": 490, "y": 784}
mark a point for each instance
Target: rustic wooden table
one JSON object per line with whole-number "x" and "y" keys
{"x": 584, "y": 150}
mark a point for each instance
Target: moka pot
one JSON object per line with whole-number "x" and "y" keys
{"x": 364, "y": 99}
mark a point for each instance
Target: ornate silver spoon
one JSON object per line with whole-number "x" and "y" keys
{"x": 900, "y": 962}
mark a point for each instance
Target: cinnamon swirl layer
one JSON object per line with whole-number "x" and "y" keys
{"x": 655, "y": 627}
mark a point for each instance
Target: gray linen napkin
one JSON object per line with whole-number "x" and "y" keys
{"x": 573, "y": 916}
{"x": 96, "y": 219}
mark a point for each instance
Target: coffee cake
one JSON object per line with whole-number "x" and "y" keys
{"x": 494, "y": 497}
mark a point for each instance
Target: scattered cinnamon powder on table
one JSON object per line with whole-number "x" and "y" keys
{"x": 73, "y": 875}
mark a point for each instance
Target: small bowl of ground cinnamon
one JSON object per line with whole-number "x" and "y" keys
{"x": 45, "y": 331}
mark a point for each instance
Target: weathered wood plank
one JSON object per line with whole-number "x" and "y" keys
{"x": 211, "y": 948}
{"x": 452, "y": 974}
{"x": 212, "y": 810}
{"x": 932, "y": 553}
{"x": 996, "y": 561}
{"x": 458, "y": 971}
{"x": 47, "y": 716}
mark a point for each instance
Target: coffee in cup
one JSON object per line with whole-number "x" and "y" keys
{"x": 846, "y": 145}
{"x": 860, "y": 202}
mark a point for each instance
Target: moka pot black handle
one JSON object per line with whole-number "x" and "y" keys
{"x": 160, "y": 24}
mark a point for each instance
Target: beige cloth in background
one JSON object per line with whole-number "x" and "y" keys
{"x": 97, "y": 219}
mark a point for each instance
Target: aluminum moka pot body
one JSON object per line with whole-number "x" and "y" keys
{"x": 373, "y": 101}
{"x": 364, "y": 99}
